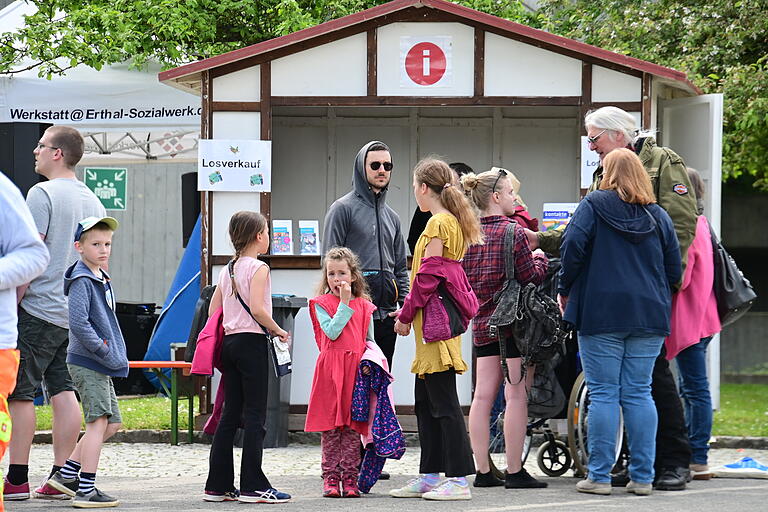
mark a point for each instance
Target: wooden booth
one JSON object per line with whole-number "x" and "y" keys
{"x": 426, "y": 77}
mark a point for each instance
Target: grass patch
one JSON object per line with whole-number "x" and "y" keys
{"x": 743, "y": 410}
{"x": 153, "y": 413}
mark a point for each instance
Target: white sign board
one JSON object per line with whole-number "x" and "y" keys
{"x": 589, "y": 163}
{"x": 426, "y": 61}
{"x": 234, "y": 165}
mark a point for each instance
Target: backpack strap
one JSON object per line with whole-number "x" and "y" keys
{"x": 509, "y": 264}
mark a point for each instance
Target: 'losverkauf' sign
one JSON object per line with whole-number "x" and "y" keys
{"x": 234, "y": 165}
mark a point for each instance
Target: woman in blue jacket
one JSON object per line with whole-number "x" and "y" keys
{"x": 620, "y": 258}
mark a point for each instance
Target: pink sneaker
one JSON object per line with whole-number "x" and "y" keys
{"x": 46, "y": 492}
{"x": 15, "y": 492}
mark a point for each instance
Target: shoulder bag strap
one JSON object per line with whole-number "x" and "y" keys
{"x": 231, "y": 268}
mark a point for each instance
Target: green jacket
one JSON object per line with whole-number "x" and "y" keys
{"x": 671, "y": 187}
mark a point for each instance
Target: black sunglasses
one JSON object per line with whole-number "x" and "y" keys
{"x": 387, "y": 165}
{"x": 502, "y": 172}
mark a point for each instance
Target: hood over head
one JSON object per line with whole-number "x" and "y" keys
{"x": 632, "y": 221}
{"x": 360, "y": 180}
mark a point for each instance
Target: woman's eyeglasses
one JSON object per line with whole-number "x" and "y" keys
{"x": 375, "y": 165}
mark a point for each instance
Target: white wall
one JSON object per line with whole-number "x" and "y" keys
{"x": 313, "y": 155}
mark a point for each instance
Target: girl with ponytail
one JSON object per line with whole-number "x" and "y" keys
{"x": 445, "y": 446}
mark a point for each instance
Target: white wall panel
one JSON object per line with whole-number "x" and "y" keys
{"x": 461, "y": 59}
{"x": 237, "y": 125}
{"x": 334, "y": 69}
{"x": 243, "y": 85}
{"x": 518, "y": 69}
{"x": 543, "y": 154}
{"x": 224, "y": 205}
{"x": 611, "y": 86}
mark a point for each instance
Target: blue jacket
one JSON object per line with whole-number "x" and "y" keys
{"x": 95, "y": 340}
{"x": 618, "y": 266}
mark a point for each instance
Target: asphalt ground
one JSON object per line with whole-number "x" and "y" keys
{"x": 163, "y": 477}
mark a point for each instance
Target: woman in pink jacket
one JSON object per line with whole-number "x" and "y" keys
{"x": 694, "y": 322}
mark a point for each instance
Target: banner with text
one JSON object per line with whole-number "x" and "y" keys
{"x": 234, "y": 165}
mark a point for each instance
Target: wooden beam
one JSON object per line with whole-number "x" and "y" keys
{"x": 586, "y": 94}
{"x": 424, "y": 101}
{"x": 647, "y": 101}
{"x": 479, "y": 62}
{"x": 265, "y": 96}
{"x": 235, "y": 106}
{"x": 206, "y": 198}
{"x": 372, "y": 50}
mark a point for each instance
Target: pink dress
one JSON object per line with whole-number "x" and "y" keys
{"x": 694, "y": 308}
{"x": 330, "y": 402}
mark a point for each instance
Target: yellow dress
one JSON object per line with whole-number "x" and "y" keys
{"x": 437, "y": 356}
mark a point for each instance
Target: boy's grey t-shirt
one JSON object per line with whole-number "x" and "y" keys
{"x": 57, "y": 206}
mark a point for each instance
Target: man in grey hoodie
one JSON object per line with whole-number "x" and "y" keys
{"x": 362, "y": 221}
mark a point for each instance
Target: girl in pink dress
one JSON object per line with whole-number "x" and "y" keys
{"x": 342, "y": 319}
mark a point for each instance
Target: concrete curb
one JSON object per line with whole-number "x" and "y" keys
{"x": 313, "y": 438}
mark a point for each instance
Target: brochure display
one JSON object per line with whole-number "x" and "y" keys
{"x": 309, "y": 237}
{"x": 282, "y": 237}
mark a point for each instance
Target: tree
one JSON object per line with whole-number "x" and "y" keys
{"x": 721, "y": 44}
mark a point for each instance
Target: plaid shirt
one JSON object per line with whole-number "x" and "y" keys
{"x": 484, "y": 265}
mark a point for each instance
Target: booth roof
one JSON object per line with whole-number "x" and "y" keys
{"x": 187, "y": 77}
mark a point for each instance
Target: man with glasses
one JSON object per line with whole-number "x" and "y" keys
{"x": 57, "y": 205}
{"x": 610, "y": 128}
{"x": 362, "y": 221}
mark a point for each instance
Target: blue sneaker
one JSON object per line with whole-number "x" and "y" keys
{"x": 268, "y": 496}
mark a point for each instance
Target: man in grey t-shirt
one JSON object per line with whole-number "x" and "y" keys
{"x": 57, "y": 205}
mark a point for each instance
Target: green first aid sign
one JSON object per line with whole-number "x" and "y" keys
{"x": 109, "y": 185}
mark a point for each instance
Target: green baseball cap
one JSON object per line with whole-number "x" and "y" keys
{"x": 88, "y": 222}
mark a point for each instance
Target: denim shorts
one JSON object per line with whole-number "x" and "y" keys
{"x": 43, "y": 348}
{"x": 97, "y": 394}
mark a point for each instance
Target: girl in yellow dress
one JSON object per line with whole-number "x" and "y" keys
{"x": 443, "y": 436}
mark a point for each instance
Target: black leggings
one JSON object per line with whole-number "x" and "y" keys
{"x": 245, "y": 364}
{"x": 443, "y": 435}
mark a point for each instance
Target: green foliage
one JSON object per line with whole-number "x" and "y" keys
{"x": 721, "y": 44}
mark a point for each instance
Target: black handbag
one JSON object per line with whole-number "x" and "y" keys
{"x": 733, "y": 291}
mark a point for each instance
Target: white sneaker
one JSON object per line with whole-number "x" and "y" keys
{"x": 449, "y": 490}
{"x": 414, "y": 488}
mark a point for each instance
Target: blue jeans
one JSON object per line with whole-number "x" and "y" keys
{"x": 618, "y": 368}
{"x": 694, "y": 388}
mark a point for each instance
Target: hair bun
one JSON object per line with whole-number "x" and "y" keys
{"x": 469, "y": 181}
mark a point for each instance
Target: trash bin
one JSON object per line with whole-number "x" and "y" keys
{"x": 284, "y": 311}
{"x": 136, "y": 320}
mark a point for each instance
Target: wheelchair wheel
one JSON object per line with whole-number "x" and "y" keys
{"x": 553, "y": 458}
{"x": 578, "y": 432}
{"x": 497, "y": 451}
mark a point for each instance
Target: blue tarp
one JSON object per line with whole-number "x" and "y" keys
{"x": 175, "y": 320}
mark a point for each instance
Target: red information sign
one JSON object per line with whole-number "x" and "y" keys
{"x": 425, "y": 63}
